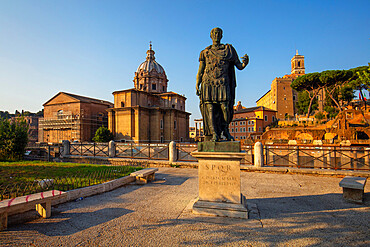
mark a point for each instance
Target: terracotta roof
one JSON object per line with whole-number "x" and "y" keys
{"x": 87, "y": 99}
{"x": 256, "y": 108}
{"x": 247, "y": 118}
{"x": 82, "y": 99}
{"x": 173, "y": 93}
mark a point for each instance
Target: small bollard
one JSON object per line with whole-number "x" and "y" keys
{"x": 258, "y": 154}
{"x": 66, "y": 147}
{"x": 172, "y": 152}
{"x": 112, "y": 149}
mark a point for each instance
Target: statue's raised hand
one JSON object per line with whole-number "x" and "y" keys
{"x": 245, "y": 60}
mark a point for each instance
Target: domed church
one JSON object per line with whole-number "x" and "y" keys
{"x": 148, "y": 113}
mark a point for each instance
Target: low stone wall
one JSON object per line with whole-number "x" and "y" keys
{"x": 94, "y": 189}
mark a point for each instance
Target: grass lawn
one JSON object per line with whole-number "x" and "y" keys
{"x": 21, "y": 175}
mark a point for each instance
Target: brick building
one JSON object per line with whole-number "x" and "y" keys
{"x": 148, "y": 113}
{"x": 250, "y": 123}
{"x": 72, "y": 117}
{"x": 281, "y": 97}
{"x": 247, "y": 123}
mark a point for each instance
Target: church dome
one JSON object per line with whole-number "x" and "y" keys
{"x": 150, "y": 75}
{"x": 149, "y": 64}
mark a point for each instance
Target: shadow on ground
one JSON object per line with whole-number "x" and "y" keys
{"x": 169, "y": 179}
{"x": 301, "y": 220}
{"x": 81, "y": 221}
{"x": 281, "y": 207}
{"x": 69, "y": 223}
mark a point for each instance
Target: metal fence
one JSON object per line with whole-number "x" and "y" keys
{"x": 43, "y": 152}
{"x": 184, "y": 151}
{"x": 89, "y": 149}
{"x": 66, "y": 183}
{"x": 300, "y": 156}
{"x": 142, "y": 151}
{"x": 324, "y": 157}
{"x": 249, "y": 156}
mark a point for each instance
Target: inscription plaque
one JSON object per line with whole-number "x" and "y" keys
{"x": 219, "y": 185}
{"x": 219, "y": 182}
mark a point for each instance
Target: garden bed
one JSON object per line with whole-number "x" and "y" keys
{"x": 27, "y": 177}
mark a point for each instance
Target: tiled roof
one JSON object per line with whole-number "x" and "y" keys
{"x": 256, "y": 108}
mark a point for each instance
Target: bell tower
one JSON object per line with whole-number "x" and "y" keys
{"x": 297, "y": 64}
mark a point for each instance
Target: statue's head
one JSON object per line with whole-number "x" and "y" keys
{"x": 216, "y": 34}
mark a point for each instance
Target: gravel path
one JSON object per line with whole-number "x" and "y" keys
{"x": 293, "y": 210}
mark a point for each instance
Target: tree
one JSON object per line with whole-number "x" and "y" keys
{"x": 339, "y": 85}
{"x": 319, "y": 116}
{"x": 346, "y": 93}
{"x": 332, "y": 111}
{"x": 103, "y": 134}
{"x": 303, "y": 102}
{"x": 13, "y": 138}
{"x": 334, "y": 80}
{"x": 363, "y": 78}
{"x": 311, "y": 84}
{"x": 5, "y": 114}
{"x": 40, "y": 113}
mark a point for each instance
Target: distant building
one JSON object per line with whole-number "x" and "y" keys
{"x": 281, "y": 97}
{"x": 250, "y": 123}
{"x": 148, "y": 113}
{"x": 247, "y": 123}
{"x": 199, "y": 135}
{"x": 72, "y": 117}
{"x": 192, "y": 133}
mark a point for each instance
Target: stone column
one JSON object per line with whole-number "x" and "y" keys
{"x": 172, "y": 152}
{"x": 258, "y": 154}
{"x": 112, "y": 149}
{"x": 66, "y": 147}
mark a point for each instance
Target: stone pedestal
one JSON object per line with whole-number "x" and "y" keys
{"x": 219, "y": 185}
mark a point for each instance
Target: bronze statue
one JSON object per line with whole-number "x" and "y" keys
{"x": 216, "y": 86}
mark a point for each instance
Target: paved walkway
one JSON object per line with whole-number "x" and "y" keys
{"x": 294, "y": 210}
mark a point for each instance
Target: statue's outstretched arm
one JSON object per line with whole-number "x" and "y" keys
{"x": 202, "y": 66}
{"x": 245, "y": 60}
{"x": 237, "y": 62}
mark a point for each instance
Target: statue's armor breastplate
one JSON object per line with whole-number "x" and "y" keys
{"x": 215, "y": 80}
{"x": 216, "y": 71}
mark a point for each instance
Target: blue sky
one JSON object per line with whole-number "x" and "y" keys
{"x": 93, "y": 48}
